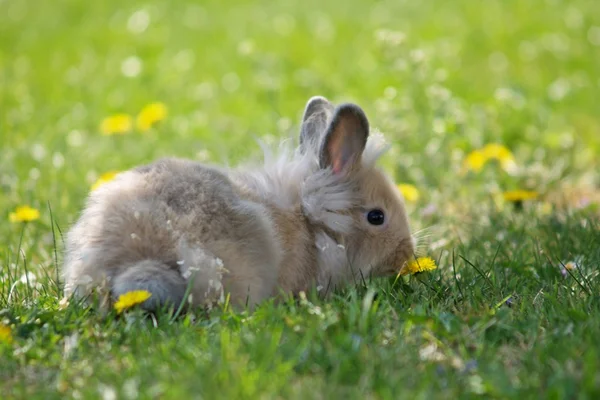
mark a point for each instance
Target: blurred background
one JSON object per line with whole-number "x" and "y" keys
{"x": 478, "y": 98}
{"x": 493, "y": 112}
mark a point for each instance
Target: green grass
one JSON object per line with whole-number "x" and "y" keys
{"x": 500, "y": 318}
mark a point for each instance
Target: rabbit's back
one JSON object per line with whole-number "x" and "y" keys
{"x": 156, "y": 226}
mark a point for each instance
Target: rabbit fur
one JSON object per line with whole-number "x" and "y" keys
{"x": 298, "y": 221}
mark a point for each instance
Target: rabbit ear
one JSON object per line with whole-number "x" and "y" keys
{"x": 345, "y": 139}
{"x": 314, "y": 122}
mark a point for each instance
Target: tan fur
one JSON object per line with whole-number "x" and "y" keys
{"x": 251, "y": 233}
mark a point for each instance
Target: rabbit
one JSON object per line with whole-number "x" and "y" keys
{"x": 320, "y": 216}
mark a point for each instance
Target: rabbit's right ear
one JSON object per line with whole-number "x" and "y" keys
{"x": 316, "y": 117}
{"x": 345, "y": 139}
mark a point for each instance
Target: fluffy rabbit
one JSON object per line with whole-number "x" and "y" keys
{"x": 320, "y": 215}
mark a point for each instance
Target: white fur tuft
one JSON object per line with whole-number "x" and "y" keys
{"x": 332, "y": 260}
{"x": 376, "y": 147}
{"x": 324, "y": 198}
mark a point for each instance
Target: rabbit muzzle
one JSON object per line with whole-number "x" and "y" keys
{"x": 398, "y": 258}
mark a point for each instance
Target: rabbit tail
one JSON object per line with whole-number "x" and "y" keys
{"x": 166, "y": 285}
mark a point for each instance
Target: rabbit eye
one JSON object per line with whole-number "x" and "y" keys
{"x": 375, "y": 217}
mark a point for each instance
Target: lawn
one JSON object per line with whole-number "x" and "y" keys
{"x": 479, "y": 100}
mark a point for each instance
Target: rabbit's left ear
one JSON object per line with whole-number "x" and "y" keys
{"x": 317, "y": 113}
{"x": 345, "y": 139}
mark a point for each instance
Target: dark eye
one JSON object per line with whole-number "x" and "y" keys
{"x": 376, "y": 217}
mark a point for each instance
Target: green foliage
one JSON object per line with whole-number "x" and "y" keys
{"x": 501, "y": 317}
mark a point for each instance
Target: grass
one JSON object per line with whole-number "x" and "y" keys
{"x": 501, "y": 317}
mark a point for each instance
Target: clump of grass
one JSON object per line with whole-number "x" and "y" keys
{"x": 492, "y": 112}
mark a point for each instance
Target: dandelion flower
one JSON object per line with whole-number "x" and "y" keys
{"x": 495, "y": 151}
{"x": 520, "y": 195}
{"x": 24, "y": 214}
{"x": 421, "y": 264}
{"x": 570, "y": 266}
{"x": 5, "y": 333}
{"x": 150, "y": 115}
{"x": 104, "y": 178}
{"x": 409, "y": 192}
{"x": 475, "y": 161}
{"x": 130, "y": 299}
{"x": 117, "y": 124}
{"x": 566, "y": 267}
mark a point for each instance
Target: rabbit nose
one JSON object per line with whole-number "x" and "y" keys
{"x": 406, "y": 250}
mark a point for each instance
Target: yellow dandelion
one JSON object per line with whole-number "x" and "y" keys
{"x": 150, "y": 115}
{"x": 475, "y": 161}
{"x": 409, "y": 192}
{"x": 130, "y": 299}
{"x": 502, "y": 154}
{"x": 117, "y": 124}
{"x": 104, "y": 178}
{"x": 421, "y": 264}
{"x": 5, "y": 333}
{"x": 496, "y": 151}
{"x": 570, "y": 266}
{"x": 24, "y": 214}
{"x": 520, "y": 195}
